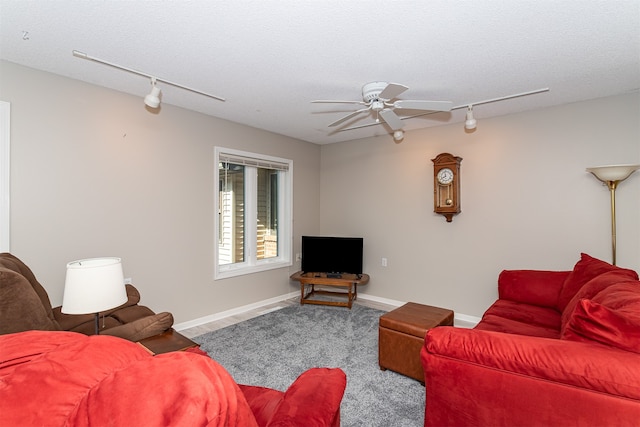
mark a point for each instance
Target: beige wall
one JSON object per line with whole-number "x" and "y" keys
{"x": 527, "y": 201}
{"x": 95, "y": 174}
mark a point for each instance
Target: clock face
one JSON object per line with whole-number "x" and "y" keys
{"x": 445, "y": 176}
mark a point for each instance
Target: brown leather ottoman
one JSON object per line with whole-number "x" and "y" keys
{"x": 401, "y": 336}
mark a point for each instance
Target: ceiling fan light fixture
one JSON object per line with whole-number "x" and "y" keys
{"x": 398, "y": 135}
{"x": 377, "y": 105}
{"x": 152, "y": 100}
{"x": 470, "y": 122}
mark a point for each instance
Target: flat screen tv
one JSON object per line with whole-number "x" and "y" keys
{"x": 334, "y": 255}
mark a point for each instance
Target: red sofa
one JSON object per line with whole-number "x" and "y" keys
{"x": 57, "y": 378}
{"x": 558, "y": 348}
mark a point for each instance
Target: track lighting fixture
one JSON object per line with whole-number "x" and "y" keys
{"x": 470, "y": 122}
{"x": 398, "y": 135}
{"x": 153, "y": 98}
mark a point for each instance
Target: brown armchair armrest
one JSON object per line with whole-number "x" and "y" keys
{"x": 142, "y": 328}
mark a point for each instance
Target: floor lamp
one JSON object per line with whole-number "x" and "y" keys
{"x": 93, "y": 285}
{"x": 612, "y": 176}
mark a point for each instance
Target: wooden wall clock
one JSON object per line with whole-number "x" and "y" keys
{"x": 446, "y": 185}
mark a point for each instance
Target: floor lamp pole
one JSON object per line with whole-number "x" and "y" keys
{"x": 612, "y": 188}
{"x": 613, "y": 175}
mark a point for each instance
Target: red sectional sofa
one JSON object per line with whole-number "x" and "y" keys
{"x": 56, "y": 378}
{"x": 558, "y": 348}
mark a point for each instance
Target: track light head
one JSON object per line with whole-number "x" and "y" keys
{"x": 398, "y": 135}
{"x": 470, "y": 122}
{"x": 153, "y": 99}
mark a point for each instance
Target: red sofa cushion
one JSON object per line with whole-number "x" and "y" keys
{"x": 509, "y": 326}
{"x": 593, "y": 287}
{"x": 611, "y": 318}
{"x": 586, "y": 269}
{"x": 536, "y": 287}
{"x": 66, "y": 378}
{"x": 530, "y": 315}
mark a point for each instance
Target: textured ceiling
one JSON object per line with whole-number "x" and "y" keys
{"x": 270, "y": 58}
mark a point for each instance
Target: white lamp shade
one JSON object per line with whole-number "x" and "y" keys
{"x": 613, "y": 172}
{"x": 153, "y": 99}
{"x": 93, "y": 285}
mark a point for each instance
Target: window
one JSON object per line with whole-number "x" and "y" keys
{"x": 253, "y": 230}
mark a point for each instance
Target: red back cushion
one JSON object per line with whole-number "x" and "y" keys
{"x": 537, "y": 287}
{"x": 585, "y": 270}
{"x": 611, "y": 318}
{"x": 593, "y": 287}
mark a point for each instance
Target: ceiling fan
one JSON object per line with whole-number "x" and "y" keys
{"x": 378, "y": 98}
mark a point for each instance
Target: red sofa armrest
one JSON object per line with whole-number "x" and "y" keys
{"x": 313, "y": 400}
{"x": 536, "y": 287}
{"x": 485, "y": 378}
{"x": 584, "y": 365}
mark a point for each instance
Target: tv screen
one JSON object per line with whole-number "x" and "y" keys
{"x": 332, "y": 254}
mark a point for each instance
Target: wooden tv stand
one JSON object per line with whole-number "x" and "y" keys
{"x": 348, "y": 281}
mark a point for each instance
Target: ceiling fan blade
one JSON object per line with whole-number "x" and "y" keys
{"x": 347, "y": 117}
{"x": 424, "y": 105}
{"x": 392, "y": 119}
{"x": 330, "y": 101}
{"x": 379, "y": 123}
{"x": 392, "y": 90}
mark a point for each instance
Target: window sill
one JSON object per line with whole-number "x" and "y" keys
{"x": 244, "y": 270}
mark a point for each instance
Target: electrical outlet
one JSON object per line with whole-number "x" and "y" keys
{"x": 384, "y": 262}
{"x": 127, "y": 281}
{"x": 298, "y": 257}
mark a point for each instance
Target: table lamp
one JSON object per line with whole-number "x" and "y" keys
{"x": 613, "y": 175}
{"x": 93, "y": 285}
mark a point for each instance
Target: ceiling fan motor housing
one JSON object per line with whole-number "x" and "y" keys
{"x": 371, "y": 91}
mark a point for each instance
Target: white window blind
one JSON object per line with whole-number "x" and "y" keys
{"x": 255, "y": 162}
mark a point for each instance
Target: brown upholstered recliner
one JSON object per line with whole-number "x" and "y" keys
{"x": 25, "y": 305}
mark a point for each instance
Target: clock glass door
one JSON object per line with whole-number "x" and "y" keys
{"x": 444, "y": 196}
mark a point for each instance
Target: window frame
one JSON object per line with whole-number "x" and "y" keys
{"x": 5, "y": 176}
{"x": 285, "y": 215}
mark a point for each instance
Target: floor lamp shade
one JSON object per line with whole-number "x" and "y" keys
{"x": 93, "y": 285}
{"x": 613, "y": 173}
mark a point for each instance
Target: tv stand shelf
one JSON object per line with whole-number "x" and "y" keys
{"x": 348, "y": 281}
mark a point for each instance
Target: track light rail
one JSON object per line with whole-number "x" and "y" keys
{"x": 83, "y": 55}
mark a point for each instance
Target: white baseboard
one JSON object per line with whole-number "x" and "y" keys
{"x": 234, "y": 311}
{"x": 466, "y": 320}
{"x": 462, "y": 320}
{"x": 387, "y": 301}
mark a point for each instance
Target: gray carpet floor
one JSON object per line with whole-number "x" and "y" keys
{"x": 272, "y": 350}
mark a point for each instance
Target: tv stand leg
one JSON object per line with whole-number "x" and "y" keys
{"x": 302, "y": 289}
